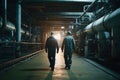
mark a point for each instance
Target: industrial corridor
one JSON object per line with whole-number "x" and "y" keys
{"x": 90, "y": 27}
{"x": 37, "y": 68}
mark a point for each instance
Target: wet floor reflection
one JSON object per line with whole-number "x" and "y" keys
{"x": 59, "y": 63}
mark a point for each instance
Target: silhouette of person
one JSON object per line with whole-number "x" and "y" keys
{"x": 68, "y": 46}
{"x": 51, "y": 46}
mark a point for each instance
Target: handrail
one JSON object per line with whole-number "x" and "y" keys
{"x": 20, "y": 42}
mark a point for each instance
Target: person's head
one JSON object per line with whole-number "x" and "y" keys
{"x": 51, "y": 33}
{"x": 69, "y": 33}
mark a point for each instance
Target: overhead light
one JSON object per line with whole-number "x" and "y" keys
{"x": 62, "y": 27}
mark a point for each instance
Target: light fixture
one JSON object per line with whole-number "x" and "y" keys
{"x": 62, "y": 27}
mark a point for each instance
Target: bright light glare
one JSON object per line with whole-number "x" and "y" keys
{"x": 62, "y": 27}
{"x": 57, "y": 36}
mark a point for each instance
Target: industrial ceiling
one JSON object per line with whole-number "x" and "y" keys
{"x": 50, "y": 13}
{"x": 54, "y": 13}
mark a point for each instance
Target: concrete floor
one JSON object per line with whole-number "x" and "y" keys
{"x": 37, "y": 68}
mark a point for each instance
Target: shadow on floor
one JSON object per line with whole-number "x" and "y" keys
{"x": 71, "y": 75}
{"x": 36, "y": 69}
{"x": 41, "y": 69}
{"x": 49, "y": 76}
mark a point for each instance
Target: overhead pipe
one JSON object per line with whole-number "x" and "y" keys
{"x": 92, "y": 4}
{"x": 104, "y": 23}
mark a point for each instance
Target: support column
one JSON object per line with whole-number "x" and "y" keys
{"x": 102, "y": 45}
{"x": 86, "y": 47}
{"x": 18, "y": 27}
{"x": 4, "y": 14}
{"x": 115, "y": 42}
{"x": 30, "y": 35}
{"x": 18, "y": 21}
{"x": 76, "y": 26}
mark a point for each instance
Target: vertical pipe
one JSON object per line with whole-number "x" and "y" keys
{"x": 76, "y": 21}
{"x": 4, "y": 13}
{"x": 30, "y": 33}
{"x": 18, "y": 28}
{"x": 18, "y": 21}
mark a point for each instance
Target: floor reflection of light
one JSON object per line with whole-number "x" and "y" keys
{"x": 59, "y": 59}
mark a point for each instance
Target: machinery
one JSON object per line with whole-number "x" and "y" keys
{"x": 100, "y": 39}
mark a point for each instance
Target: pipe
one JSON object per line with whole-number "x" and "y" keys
{"x": 4, "y": 13}
{"x": 9, "y": 25}
{"x": 18, "y": 21}
{"x": 88, "y": 8}
{"x": 104, "y": 23}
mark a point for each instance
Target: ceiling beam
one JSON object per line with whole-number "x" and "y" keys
{"x": 57, "y": 23}
{"x": 47, "y": 15}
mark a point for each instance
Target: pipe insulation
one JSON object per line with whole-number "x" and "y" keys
{"x": 104, "y": 23}
{"x": 9, "y": 25}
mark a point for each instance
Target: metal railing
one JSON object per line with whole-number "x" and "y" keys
{"x": 8, "y": 49}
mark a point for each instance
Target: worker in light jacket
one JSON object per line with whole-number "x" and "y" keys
{"x": 68, "y": 46}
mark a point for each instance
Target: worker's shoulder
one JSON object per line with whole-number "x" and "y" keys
{"x": 69, "y": 37}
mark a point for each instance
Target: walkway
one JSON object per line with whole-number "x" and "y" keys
{"x": 37, "y": 68}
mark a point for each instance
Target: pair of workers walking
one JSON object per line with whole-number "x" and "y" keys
{"x": 68, "y": 46}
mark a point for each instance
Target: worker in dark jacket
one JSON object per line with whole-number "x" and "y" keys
{"x": 68, "y": 46}
{"x": 50, "y": 47}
